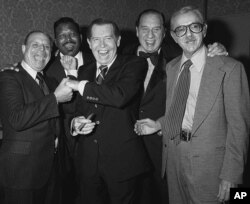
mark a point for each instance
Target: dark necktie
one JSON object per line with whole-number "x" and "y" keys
{"x": 152, "y": 56}
{"x": 103, "y": 69}
{"x": 42, "y": 83}
{"x": 177, "y": 108}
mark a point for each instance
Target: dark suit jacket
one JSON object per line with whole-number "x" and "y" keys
{"x": 114, "y": 144}
{"x": 56, "y": 71}
{"x": 153, "y": 102}
{"x": 29, "y": 130}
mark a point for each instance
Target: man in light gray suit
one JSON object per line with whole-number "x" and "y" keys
{"x": 205, "y": 129}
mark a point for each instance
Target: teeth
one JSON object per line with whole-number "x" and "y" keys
{"x": 39, "y": 57}
{"x": 102, "y": 52}
{"x": 69, "y": 46}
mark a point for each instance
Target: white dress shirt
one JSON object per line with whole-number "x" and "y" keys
{"x": 196, "y": 71}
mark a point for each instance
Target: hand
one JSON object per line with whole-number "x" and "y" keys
{"x": 82, "y": 126}
{"x": 63, "y": 93}
{"x": 10, "y": 67}
{"x": 73, "y": 84}
{"x": 69, "y": 62}
{"x": 146, "y": 126}
{"x": 216, "y": 49}
{"x": 224, "y": 190}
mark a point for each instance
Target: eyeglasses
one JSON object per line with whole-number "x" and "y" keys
{"x": 193, "y": 27}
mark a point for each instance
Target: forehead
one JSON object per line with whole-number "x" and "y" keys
{"x": 38, "y": 37}
{"x": 151, "y": 19}
{"x": 186, "y": 19}
{"x": 66, "y": 27}
{"x": 102, "y": 30}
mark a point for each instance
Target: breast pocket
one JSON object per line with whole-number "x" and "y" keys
{"x": 16, "y": 147}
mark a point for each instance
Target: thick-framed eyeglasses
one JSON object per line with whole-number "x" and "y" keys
{"x": 193, "y": 27}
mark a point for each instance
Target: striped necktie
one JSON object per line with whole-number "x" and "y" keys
{"x": 103, "y": 69}
{"x": 174, "y": 116}
{"x": 42, "y": 83}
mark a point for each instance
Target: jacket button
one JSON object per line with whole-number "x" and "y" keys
{"x": 97, "y": 122}
{"x": 95, "y": 105}
{"x": 95, "y": 141}
{"x": 165, "y": 145}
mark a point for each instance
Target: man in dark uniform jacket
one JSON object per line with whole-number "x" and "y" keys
{"x": 31, "y": 129}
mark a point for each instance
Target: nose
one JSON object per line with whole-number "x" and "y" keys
{"x": 68, "y": 38}
{"x": 42, "y": 47}
{"x": 150, "y": 33}
{"x": 102, "y": 43}
{"x": 189, "y": 32}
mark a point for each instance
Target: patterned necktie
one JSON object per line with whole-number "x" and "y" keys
{"x": 177, "y": 108}
{"x": 152, "y": 56}
{"x": 100, "y": 77}
{"x": 42, "y": 83}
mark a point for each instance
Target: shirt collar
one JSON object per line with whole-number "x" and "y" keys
{"x": 198, "y": 59}
{"x": 28, "y": 69}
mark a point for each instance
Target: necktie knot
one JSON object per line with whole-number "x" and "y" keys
{"x": 152, "y": 56}
{"x": 187, "y": 64}
{"x": 40, "y": 77}
{"x": 103, "y": 70}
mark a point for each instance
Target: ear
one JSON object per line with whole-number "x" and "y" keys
{"x": 173, "y": 36}
{"x": 164, "y": 32}
{"x": 204, "y": 30}
{"x": 118, "y": 41}
{"x": 137, "y": 31}
{"x": 89, "y": 43}
{"x": 23, "y": 49}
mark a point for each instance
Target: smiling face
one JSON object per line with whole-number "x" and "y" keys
{"x": 190, "y": 42}
{"x": 37, "y": 51}
{"x": 103, "y": 43}
{"x": 150, "y": 32}
{"x": 68, "y": 39}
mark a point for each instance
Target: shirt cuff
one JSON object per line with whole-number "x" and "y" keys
{"x": 72, "y": 73}
{"x": 81, "y": 86}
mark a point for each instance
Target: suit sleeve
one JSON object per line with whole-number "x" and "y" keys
{"x": 237, "y": 109}
{"x": 123, "y": 87}
{"x": 14, "y": 108}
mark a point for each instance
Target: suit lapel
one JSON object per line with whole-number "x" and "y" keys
{"x": 157, "y": 75}
{"x": 31, "y": 83}
{"x": 209, "y": 87}
{"x": 114, "y": 68}
{"x": 60, "y": 70}
{"x": 172, "y": 74}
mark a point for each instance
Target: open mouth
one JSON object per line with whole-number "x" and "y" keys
{"x": 103, "y": 53}
{"x": 150, "y": 43}
{"x": 69, "y": 46}
{"x": 39, "y": 58}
